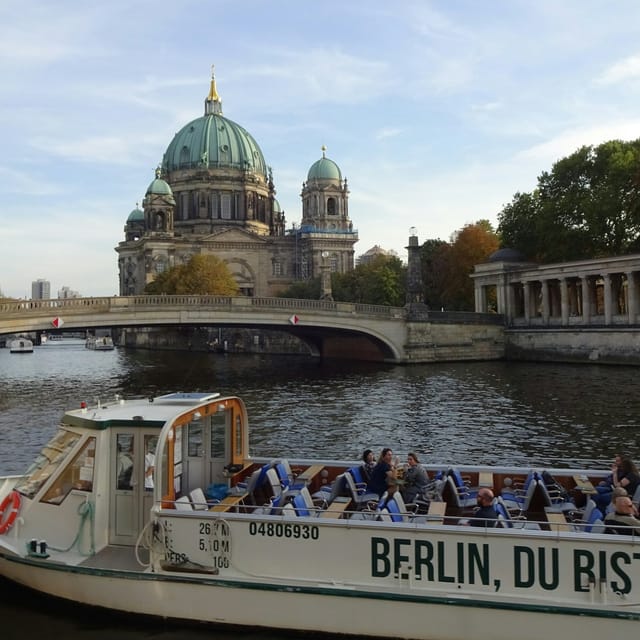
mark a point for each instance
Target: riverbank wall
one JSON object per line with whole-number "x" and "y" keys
{"x": 602, "y": 345}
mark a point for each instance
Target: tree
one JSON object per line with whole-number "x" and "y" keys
{"x": 381, "y": 281}
{"x": 201, "y": 275}
{"x": 587, "y": 206}
{"x": 447, "y": 279}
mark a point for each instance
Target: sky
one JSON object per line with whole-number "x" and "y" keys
{"x": 437, "y": 112}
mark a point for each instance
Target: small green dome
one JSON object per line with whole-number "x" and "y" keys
{"x": 137, "y": 215}
{"x": 324, "y": 169}
{"x": 159, "y": 187}
{"x": 276, "y": 206}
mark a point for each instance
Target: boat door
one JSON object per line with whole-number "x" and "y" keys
{"x": 131, "y": 483}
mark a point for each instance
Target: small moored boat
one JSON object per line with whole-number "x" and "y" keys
{"x": 100, "y": 343}
{"x": 155, "y": 507}
{"x": 21, "y": 345}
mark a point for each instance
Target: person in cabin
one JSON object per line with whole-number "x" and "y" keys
{"x": 622, "y": 520}
{"x": 125, "y": 468}
{"x": 485, "y": 514}
{"x": 383, "y": 475}
{"x": 149, "y": 464}
{"x": 416, "y": 479}
{"x": 368, "y": 462}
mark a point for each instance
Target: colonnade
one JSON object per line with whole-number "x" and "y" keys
{"x": 588, "y": 292}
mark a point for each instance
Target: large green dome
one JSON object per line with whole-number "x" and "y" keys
{"x": 324, "y": 169}
{"x": 214, "y": 142}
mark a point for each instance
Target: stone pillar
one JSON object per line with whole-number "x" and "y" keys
{"x": 608, "y": 302}
{"x": 526, "y": 295}
{"x": 586, "y": 299}
{"x": 564, "y": 301}
{"x": 480, "y": 294}
{"x": 415, "y": 289}
{"x": 632, "y": 297}
{"x": 545, "y": 301}
{"x": 510, "y": 311}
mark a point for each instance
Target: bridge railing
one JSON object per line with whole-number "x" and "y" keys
{"x": 104, "y": 304}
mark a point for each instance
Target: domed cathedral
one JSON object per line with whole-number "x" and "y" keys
{"x": 214, "y": 194}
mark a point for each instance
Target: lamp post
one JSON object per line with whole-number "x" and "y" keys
{"x": 415, "y": 290}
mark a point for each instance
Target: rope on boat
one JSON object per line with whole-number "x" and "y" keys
{"x": 86, "y": 512}
{"x": 147, "y": 539}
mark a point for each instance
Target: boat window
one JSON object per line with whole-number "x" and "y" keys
{"x": 238, "y": 434}
{"x": 218, "y": 421}
{"x": 195, "y": 440}
{"x": 177, "y": 459}
{"x": 48, "y": 460}
{"x": 77, "y": 475}
{"x": 124, "y": 461}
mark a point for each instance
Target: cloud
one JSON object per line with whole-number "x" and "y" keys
{"x": 621, "y": 71}
{"x": 387, "y": 132}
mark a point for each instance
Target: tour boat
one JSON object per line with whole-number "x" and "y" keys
{"x": 154, "y": 506}
{"x": 101, "y": 343}
{"x": 21, "y": 345}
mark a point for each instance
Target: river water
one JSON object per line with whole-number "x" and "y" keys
{"x": 494, "y": 412}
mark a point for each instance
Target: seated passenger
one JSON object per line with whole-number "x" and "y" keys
{"x": 368, "y": 463}
{"x": 383, "y": 475}
{"x": 416, "y": 479}
{"x": 622, "y": 520}
{"x": 485, "y": 515}
{"x": 626, "y": 476}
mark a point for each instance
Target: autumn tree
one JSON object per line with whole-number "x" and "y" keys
{"x": 587, "y": 206}
{"x": 201, "y": 275}
{"x": 448, "y": 283}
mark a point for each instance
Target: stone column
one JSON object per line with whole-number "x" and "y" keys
{"x": 526, "y": 297}
{"x": 586, "y": 300}
{"x": 632, "y": 297}
{"x": 510, "y": 311}
{"x": 545, "y": 301}
{"x": 564, "y": 301}
{"x": 608, "y": 302}
{"x": 480, "y": 295}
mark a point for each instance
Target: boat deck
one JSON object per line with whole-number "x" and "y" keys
{"x": 117, "y": 557}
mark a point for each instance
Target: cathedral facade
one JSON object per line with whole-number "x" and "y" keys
{"x": 214, "y": 194}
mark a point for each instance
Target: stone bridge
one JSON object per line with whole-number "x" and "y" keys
{"x": 331, "y": 329}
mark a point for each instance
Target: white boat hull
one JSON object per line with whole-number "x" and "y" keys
{"x": 316, "y": 609}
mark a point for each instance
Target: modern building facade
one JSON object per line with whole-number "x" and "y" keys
{"x": 40, "y": 289}
{"x": 214, "y": 193}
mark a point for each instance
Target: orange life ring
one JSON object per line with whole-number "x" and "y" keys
{"x": 7, "y": 523}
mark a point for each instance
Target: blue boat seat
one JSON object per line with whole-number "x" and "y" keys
{"x": 358, "y": 477}
{"x": 359, "y": 496}
{"x": 304, "y": 504}
{"x": 459, "y": 497}
{"x": 509, "y": 521}
{"x": 591, "y": 517}
{"x": 518, "y": 496}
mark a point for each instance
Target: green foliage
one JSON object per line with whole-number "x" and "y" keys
{"x": 303, "y": 289}
{"x": 201, "y": 275}
{"x": 381, "y": 281}
{"x": 587, "y": 206}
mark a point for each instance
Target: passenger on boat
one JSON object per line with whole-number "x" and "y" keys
{"x": 626, "y": 476}
{"x": 416, "y": 479}
{"x": 622, "y": 520}
{"x": 485, "y": 515}
{"x": 616, "y": 470}
{"x": 383, "y": 475}
{"x": 368, "y": 463}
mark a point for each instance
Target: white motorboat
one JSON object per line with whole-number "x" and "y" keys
{"x": 155, "y": 507}
{"x": 21, "y": 345}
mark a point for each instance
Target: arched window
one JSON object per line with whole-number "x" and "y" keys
{"x": 331, "y": 207}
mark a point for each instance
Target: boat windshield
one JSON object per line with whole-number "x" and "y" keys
{"x": 48, "y": 460}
